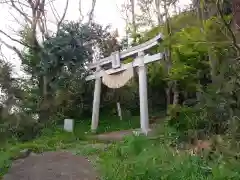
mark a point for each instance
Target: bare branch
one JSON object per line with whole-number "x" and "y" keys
{"x": 20, "y": 12}
{"x": 1, "y": 53}
{"x": 80, "y": 11}
{"x": 17, "y": 51}
{"x": 30, "y": 3}
{"x": 13, "y": 39}
{"x": 91, "y": 11}
{"x": 42, "y": 29}
{"x": 121, "y": 11}
{"x": 133, "y": 19}
{"x": 16, "y": 19}
{"x": 16, "y": 1}
{"x": 54, "y": 11}
{"x": 63, "y": 16}
{"x": 158, "y": 10}
{"x": 37, "y": 11}
{"x": 44, "y": 22}
{"x": 37, "y": 3}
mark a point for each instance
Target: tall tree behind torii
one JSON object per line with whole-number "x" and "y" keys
{"x": 134, "y": 26}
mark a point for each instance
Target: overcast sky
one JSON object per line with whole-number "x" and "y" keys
{"x": 106, "y": 12}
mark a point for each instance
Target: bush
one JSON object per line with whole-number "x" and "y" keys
{"x": 184, "y": 118}
{"x": 19, "y": 126}
{"x": 139, "y": 158}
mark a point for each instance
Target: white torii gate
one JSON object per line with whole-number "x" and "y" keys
{"x": 116, "y": 66}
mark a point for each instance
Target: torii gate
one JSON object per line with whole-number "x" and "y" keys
{"x": 114, "y": 62}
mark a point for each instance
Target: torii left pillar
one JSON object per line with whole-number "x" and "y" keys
{"x": 96, "y": 103}
{"x": 143, "y": 95}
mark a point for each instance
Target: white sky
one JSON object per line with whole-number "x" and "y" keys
{"x": 106, "y": 12}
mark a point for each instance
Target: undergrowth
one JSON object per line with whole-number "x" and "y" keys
{"x": 135, "y": 158}
{"x": 51, "y": 140}
{"x": 138, "y": 158}
{"x": 56, "y": 139}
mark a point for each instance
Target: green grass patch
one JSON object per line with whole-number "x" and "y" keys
{"x": 51, "y": 140}
{"x": 106, "y": 124}
{"x": 138, "y": 158}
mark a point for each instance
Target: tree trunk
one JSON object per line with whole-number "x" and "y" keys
{"x": 168, "y": 54}
{"x": 159, "y": 15}
{"x": 168, "y": 96}
{"x": 44, "y": 104}
{"x": 213, "y": 65}
{"x": 175, "y": 94}
{"x": 133, "y": 21}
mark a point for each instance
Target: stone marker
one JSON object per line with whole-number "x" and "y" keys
{"x": 68, "y": 125}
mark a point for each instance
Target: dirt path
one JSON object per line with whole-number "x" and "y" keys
{"x": 119, "y": 135}
{"x": 52, "y": 166}
{"x": 114, "y": 136}
{"x": 59, "y": 165}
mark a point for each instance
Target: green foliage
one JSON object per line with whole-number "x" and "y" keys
{"x": 216, "y": 106}
{"x": 57, "y": 87}
{"x": 203, "y": 68}
{"x": 199, "y": 69}
{"x": 184, "y": 20}
{"x": 185, "y": 118}
{"x": 140, "y": 158}
{"x": 156, "y": 75}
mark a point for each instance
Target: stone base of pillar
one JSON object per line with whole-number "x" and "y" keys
{"x": 93, "y": 131}
{"x": 141, "y": 132}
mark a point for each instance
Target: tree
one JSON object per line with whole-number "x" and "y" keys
{"x": 158, "y": 10}
{"x": 132, "y": 2}
{"x": 36, "y": 20}
{"x": 63, "y": 62}
{"x": 146, "y": 17}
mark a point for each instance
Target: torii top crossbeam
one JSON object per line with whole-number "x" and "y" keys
{"x": 116, "y": 58}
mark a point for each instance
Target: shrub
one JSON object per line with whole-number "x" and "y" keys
{"x": 184, "y": 118}
{"x": 19, "y": 126}
{"x": 139, "y": 158}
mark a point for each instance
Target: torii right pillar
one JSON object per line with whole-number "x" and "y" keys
{"x": 143, "y": 95}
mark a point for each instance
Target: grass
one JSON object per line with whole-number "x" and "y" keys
{"x": 51, "y": 140}
{"x": 106, "y": 124}
{"x": 56, "y": 139}
{"x": 136, "y": 158}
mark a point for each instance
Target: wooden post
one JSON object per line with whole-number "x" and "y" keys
{"x": 96, "y": 104}
{"x": 142, "y": 75}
